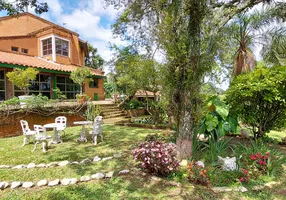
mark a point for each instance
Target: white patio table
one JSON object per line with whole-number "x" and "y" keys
{"x": 82, "y": 134}
{"x": 56, "y": 138}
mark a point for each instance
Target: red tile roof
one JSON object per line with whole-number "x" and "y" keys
{"x": 142, "y": 93}
{"x": 42, "y": 63}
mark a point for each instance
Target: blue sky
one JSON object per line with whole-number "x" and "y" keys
{"x": 89, "y": 18}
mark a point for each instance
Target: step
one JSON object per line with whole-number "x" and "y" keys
{"x": 112, "y": 113}
{"x": 110, "y": 109}
{"x": 114, "y": 116}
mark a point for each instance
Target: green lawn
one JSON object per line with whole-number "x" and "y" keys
{"x": 117, "y": 139}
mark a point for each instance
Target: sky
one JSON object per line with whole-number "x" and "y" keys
{"x": 89, "y": 18}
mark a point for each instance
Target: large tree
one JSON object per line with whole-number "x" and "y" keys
{"x": 18, "y": 6}
{"x": 93, "y": 59}
{"x": 188, "y": 31}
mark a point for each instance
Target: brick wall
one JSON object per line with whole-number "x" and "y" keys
{"x": 10, "y": 126}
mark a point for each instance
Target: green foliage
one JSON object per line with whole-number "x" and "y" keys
{"x": 38, "y": 101}
{"x": 199, "y": 174}
{"x": 92, "y": 111}
{"x": 133, "y": 104}
{"x": 81, "y": 75}
{"x": 259, "y": 98}
{"x": 15, "y": 101}
{"x": 22, "y": 77}
{"x": 59, "y": 94}
{"x": 220, "y": 178}
{"x": 108, "y": 89}
{"x": 14, "y": 8}
{"x": 218, "y": 120}
{"x": 93, "y": 59}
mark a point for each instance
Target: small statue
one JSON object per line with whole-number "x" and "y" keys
{"x": 244, "y": 133}
{"x": 200, "y": 163}
{"x": 228, "y": 164}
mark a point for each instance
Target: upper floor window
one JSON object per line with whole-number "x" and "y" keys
{"x": 16, "y": 49}
{"x": 62, "y": 47}
{"x": 47, "y": 46}
{"x": 24, "y": 50}
{"x": 93, "y": 83}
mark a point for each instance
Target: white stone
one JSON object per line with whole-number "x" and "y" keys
{"x": 271, "y": 184}
{"x": 19, "y": 167}
{"x": 97, "y": 176}
{"x": 42, "y": 183}
{"x": 222, "y": 189}
{"x": 258, "y": 187}
{"x": 53, "y": 164}
{"x": 75, "y": 163}
{"x": 242, "y": 189}
{"x": 117, "y": 155}
{"x": 73, "y": 181}
{"x": 31, "y": 165}
{"x": 96, "y": 159}
{"x": 65, "y": 181}
{"x": 87, "y": 160}
{"x": 27, "y": 184}
{"x": 63, "y": 163}
{"x": 54, "y": 182}
{"x": 107, "y": 158}
{"x": 84, "y": 178}
{"x": 184, "y": 163}
{"x": 4, "y": 166}
{"x": 228, "y": 164}
{"x": 126, "y": 171}
{"x": 42, "y": 165}
{"x": 15, "y": 184}
{"x": 109, "y": 174}
{"x": 3, "y": 185}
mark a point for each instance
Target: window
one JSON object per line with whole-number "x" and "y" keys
{"x": 68, "y": 87}
{"x": 62, "y": 47}
{"x": 2, "y": 85}
{"x": 42, "y": 85}
{"x": 16, "y": 49}
{"x": 24, "y": 51}
{"x": 47, "y": 46}
{"x": 93, "y": 84}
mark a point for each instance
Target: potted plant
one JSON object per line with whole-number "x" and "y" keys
{"x": 22, "y": 78}
{"x": 80, "y": 76}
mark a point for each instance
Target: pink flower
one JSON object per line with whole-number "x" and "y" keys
{"x": 260, "y": 162}
{"x": 267, "y": 155}
{"x": 252, "y": 157}
{"x": 264, "y": 163}
{"x": 242, "y": 179}
{"x": 258, "y": 155}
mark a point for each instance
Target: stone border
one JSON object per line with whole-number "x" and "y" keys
{"x": 57, "y": 182}
{"x": 149, "y": 126}
{"x": 60, "y": 163}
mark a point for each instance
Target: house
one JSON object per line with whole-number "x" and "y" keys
{"x": 142, "y": 95}
{"x": 30, "y": 41}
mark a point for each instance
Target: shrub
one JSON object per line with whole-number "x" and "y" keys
{"x": 80, "y": 76}
{"x": 199, "y": 174}
{"x": 157, "y": 157}
{"x": 259, "y": 98}
{"x": 132, "y": 104}
{"x": 92, "y": 111}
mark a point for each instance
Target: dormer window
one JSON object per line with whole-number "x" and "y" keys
{"x": 62, "y": 47}
{"x": 47, "y": 46}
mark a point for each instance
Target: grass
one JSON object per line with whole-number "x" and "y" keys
{"x": 117, "y": 139}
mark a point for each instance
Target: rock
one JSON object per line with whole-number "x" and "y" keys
{"x": 97, "y": 176}
{"x": 87, "y": 160}
{"x": 258, "y": 187}
{"x": 126, "y": 171}
{"x": 3, "y": 185}
{"x": 4, "y": 166}
{"x": 42, "y": 183}
{"x": 271, "y": 184}
{"x": 31, "y": 165}
{"x": 96, "y": 159}
{"x": 221, "y": 189}
{"x": 174, "y": 183}
{"x": 109, "y": 174}
{"x": 27, "y": 184}
{"x": 64, "y": 163}
{"x": 200, "y": 163}
{"x": 65, "y": 181}
{"x": 75, "y": 163}
{"x": 42, "y": 165}
{"x": 73, "y": 181}
{"x": 53, "y": 164}
{"x": 242, "y": 189}
{"x": 155, "y": 178}
{"x": 228, "y": 164}
{"x": 15, "y": 184}
{"x": 54, "y": 182}
{"x": 117, "y": 155}
{"x": 84, "y": 178}
{"x": 107, "y": 158}
{"x": 184, "y": 163}
{"x": 244, "y": 133}
{"x": 19, "y": 167}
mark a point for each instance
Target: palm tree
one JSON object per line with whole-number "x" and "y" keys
{"x": 250, "y": 30}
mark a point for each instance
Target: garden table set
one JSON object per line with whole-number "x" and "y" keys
{"x": 38, "y": 135}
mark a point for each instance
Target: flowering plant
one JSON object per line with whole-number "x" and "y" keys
{"x": 260, "y": 160}
{"x": 198, "y": 174}
{"x": 157, "y": 157}
{"x": 244, "y": 178}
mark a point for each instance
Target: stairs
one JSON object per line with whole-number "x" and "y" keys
{"x": 111, "y": 111}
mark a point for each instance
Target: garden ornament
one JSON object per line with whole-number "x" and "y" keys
{"x": 228, "y": 164}
{"x": 244, "y": 133}
{"x": 200, "y": 163}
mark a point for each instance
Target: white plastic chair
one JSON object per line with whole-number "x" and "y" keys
{"x": 41, "y": 136}
{"x": 62, "y": 122}
{"x": 27, "y": 133}
{"x": 96, "y": 129}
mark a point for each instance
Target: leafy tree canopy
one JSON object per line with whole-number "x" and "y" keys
{"x": 80, "y": 76}
{"x": 93, "y": 59}
{"x": 18, "y": 6}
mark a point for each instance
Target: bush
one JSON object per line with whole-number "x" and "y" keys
{"x": 259, "y": 98}
{"x": 92, "y": 111}
{"x": 199, "y": 174}
{"x": 132, "y": 104}
{"x": 157, "y": 157}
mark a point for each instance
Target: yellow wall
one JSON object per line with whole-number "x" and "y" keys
{"x": 26, "y": 43}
